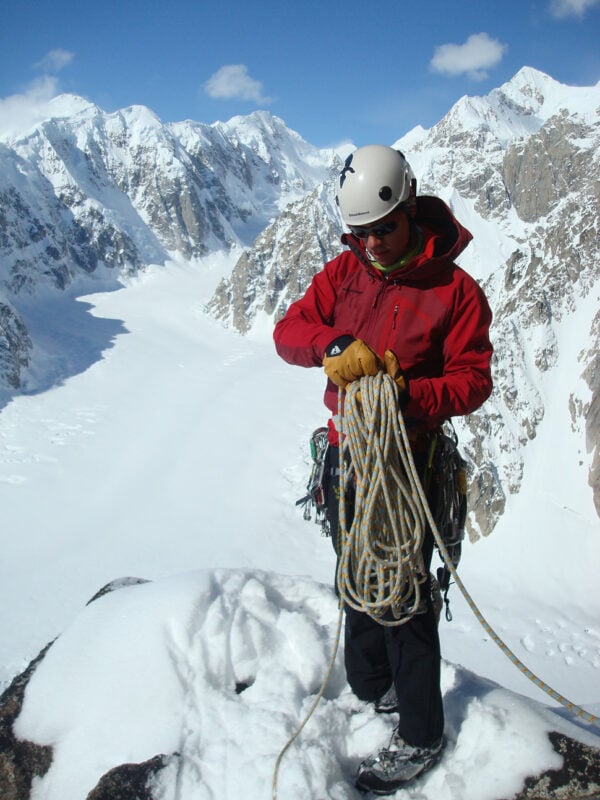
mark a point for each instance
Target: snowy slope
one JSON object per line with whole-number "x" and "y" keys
{"x": 177, "y": 458}
{"x": 221, "y": 667}
{"x": 155, "y": 443}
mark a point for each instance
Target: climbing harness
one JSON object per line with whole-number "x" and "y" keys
{"x": 316, "y": 493}
{"x": 379, "y": 581}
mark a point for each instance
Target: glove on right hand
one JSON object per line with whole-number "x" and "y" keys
{"x": 393, "y": 368}
{"x": 354, "y": 362}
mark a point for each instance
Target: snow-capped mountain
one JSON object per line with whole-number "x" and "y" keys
{"x": 89, "y": 194}
{"x": 520, "y": 169}
{"x": 173, "y": 448}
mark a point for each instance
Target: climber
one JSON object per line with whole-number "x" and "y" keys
{"x": 394, "y": 300}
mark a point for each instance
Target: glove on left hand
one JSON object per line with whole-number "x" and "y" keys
{"x": 355, "y": 361}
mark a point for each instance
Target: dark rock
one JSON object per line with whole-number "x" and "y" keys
{"x": 20, "y": 761}
{"x": 119, "y": 583}
{"x": 578, "y": 778}
{"x": 128, "y": 781}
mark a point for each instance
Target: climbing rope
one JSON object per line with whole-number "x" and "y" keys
{"x": 380, "y": 568}
{"x": 361, "y": 412}
{"x": 315, "y": 703}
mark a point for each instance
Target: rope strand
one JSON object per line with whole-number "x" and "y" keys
{"x": 380, "y": 568}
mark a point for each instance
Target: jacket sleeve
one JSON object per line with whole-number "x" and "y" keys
{"x": 466, "y": 381}
{"x": 303, "y": 334}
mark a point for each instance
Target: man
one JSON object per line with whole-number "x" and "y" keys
{"x": 395, "y": 300}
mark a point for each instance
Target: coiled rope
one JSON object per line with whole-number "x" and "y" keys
{"x": 380, "y": 568}
{"x": 365, "y": 411}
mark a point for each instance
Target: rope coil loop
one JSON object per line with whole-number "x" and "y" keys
{"x": 380, "y": 570}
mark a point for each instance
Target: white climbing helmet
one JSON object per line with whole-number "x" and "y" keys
{"x": 375, "y": 179}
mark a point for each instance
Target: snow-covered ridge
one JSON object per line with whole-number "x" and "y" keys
{"x": 515, "y": 110}
{"x": 214, "y": 671}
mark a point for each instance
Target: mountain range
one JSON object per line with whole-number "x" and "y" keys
{"x": 148, "y": 429}
{"x": 88, "y": 198}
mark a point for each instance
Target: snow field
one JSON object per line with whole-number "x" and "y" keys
{"x": 153, "y": 668}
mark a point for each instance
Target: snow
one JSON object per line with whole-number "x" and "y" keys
{"x": 513, "y": 111}
{"x": 187, "y": 641}
{"x": 174, "y": 453}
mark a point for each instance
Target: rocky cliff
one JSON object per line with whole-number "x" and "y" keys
{"x": 519, "y": 168}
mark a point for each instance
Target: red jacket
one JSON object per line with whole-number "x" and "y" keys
{"x": 430, "y": 313}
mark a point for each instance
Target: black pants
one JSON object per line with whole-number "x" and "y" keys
{"x": 407, "y": 655}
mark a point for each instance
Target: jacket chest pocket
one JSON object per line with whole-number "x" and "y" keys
{"x": 414, "y": 334}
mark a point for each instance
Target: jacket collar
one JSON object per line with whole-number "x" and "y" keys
{"x": 444, "y": 239}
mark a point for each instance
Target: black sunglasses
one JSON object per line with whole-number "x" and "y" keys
{"x": 379, "y": 230}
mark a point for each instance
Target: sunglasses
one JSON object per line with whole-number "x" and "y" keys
{"x": 378, "y": 230}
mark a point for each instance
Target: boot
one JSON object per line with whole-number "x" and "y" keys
{"x": 394, "y": 766}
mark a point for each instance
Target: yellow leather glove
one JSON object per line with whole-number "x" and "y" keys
{"x": 349, "y": 359}
{"x": 393, "y": 368}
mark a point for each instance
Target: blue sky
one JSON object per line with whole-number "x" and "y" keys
{"x": 333, "y": 71}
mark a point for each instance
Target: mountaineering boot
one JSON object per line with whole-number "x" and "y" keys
{"x": 396, "y": 765}
{"x": 388, "y": 702}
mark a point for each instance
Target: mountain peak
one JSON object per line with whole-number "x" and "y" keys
{"x": 513, "y": 111}
{"x": 23, "y": 113}
{"x": 530, "y": 76}
{"x": 533, "y": 92}
{"x": 69, "y": 105}
{"x": 255, "y": 127}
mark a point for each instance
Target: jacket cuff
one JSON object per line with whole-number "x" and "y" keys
{"x": 338, "y": 345}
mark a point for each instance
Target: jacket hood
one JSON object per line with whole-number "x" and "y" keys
{"x": 445, "y": 239}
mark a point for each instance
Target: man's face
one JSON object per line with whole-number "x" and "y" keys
{"x": 386, "y": 248}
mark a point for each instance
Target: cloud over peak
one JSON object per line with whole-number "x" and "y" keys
{"x": 232, "y": 82}
{"x": 473, "y": 58}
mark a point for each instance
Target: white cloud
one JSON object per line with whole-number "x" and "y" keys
{"x": 568, "y": 8}
{"x": 20, "y": 112}
{"x": 233, "y": 82}
{"x": 473, "y": 57}
{"x": 55, "y": 60}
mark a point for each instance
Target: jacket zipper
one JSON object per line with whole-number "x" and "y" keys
{"x": 371, "y": 324}
{"x": 380, "y": 291}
